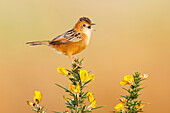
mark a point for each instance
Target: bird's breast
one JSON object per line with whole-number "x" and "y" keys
{"x": 71, "y": 48}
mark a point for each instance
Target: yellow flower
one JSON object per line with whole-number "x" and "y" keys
{"x": 37, "y": 97}
{"x": 90, "y": 97}
{"x": 123, "y": 82}
{"x": 140, "y": 106}
{"x": 123, "y": 100}
{"x": 92, "y": 105}
{"x": 128, "y": 79}
{"x": 144, "y": 77}
{"x": 91, "y": 77}
{"x": 30, "y": 103}
{"x": 84, "y": 76}
{"x": 63, "y": 71}
{"x": 120, "y": 106}
{"x": 78, "y": 88}
{"x": 66, "y": 98}
{"x": 72, "y": 88}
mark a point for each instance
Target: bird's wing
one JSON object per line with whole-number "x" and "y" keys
{"x": 68, "y": 37}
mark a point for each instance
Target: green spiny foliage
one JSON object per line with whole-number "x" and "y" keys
{"x": 79, "y": 80}
{"x": 130, "y": 103}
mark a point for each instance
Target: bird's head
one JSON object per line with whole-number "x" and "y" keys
{"x": 84, "y": 25}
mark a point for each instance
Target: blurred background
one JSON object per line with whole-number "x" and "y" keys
{"x": 130, "y": 35}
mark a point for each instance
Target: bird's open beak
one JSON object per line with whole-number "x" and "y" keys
{"x": 93, "y": 29}
{"x": 93, "y": 24}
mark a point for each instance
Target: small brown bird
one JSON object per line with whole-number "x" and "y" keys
{"x": 73, "y": 41}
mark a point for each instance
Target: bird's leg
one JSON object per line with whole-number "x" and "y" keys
{"x": 73, "y": 61}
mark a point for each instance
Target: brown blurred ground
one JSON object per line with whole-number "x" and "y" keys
{"x": 130, "y": 35}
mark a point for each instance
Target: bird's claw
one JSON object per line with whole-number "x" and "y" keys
{"x": 77, "y": 66}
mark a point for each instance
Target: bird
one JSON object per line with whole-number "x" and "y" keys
{"x": 72, "y": 41}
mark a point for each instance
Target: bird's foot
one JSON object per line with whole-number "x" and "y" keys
{"x": 75, "y": 62}
{"x": 73, "y": 59}
{"x": 77, "y": 66}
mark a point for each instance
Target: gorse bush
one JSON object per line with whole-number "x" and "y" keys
{"x": 35, "y": 104}
{"x": 76, "y": 102}
{"x": 76, "y": 99}
{"x": 129, "y": 103}
{"x": 79, "y": 80}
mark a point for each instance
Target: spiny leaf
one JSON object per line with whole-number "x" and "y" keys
{"x": 67, "y": 90}
{"x": 87, "y": 82}
{"x": 128, "y": 90}
{"x": 97, "y": 107}
{"x": 140, "y": 89}
{"x": 42, "y": 107}
{"x": 57, "y": 112}
{"x": 34, "y": 110}
{"x": 144, "y": 103}
{"x": 45, "y": 110}
{"x": 139, "y": 111}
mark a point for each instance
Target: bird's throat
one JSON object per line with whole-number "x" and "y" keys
{"x": 88, "y": 34}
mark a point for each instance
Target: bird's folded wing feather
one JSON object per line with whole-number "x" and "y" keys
{"x": 68, "y": 37}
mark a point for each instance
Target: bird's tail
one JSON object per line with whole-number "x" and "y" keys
{"x": 38, "y": 43}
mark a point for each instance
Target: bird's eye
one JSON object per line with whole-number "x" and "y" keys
{"x": 84, "y": 25}
{"x": 89, "y": 27}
